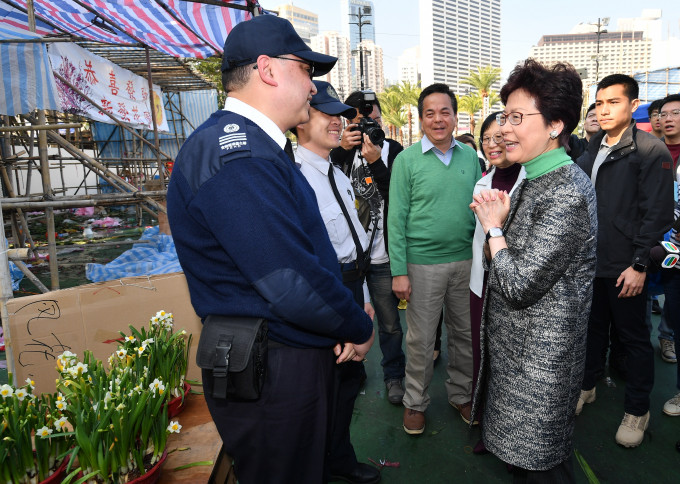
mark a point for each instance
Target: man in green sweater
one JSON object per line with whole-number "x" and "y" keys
{"x": 430, "y": 230}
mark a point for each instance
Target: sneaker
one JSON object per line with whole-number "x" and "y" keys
{"x": 395, "y": 391}
{"x": 414, "y": 421}
{"x": 656, "y": 307}
{"x": 587, "y": 396}
{"x": 667, "y": 348}
{"x": 465, "y": 410}
{"x": 672, "y": 406}
{"x": 632, "y": 430}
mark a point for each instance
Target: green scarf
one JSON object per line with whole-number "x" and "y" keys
{"x": 547, "y": 162}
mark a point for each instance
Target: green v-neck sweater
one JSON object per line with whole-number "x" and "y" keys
{"x": 430, "y": 221}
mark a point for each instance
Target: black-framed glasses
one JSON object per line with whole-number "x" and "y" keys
{"x": 497, "y": 138}
{"x": 309, "y": 64}
{"x": 514, "y": 118}
{"x": 670, "y": 114}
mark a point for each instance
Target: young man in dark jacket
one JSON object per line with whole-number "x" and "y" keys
{"x": 632, "y": 176}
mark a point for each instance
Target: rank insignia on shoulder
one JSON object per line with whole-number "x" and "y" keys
{"x": 234, "y": 137}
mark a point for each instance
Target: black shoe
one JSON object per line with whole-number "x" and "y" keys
{"x": 362, "y": 474}
{"x": 656, "y": 307}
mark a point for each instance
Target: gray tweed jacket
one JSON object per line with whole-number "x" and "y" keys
{"x": 535, "y": 320}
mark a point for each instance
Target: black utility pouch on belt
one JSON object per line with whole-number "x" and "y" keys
{"x": 235, "y": 349}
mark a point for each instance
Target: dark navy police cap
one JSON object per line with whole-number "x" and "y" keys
{"x": 327, "y": 101}
{"x": 272, "y": 36}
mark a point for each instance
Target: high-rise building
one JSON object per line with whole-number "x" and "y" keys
{"x": 374, "y": 74}
{"x": 635, "y": 45}
{"x": 409, "y": 65}
{"x": 331, "y": 43}
{"x": 306, "y": 23}
{"x": 457, "y": 37}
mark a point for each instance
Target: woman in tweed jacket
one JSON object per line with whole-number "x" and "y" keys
{"x": 541, "y": 256}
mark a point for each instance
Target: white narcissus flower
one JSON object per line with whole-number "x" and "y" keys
{"x": 141, "y": 349}
{"x": 20, "y": 394}
{"x": 44, "y": 432}
{"x": 30, "y": 383}
{"x": 174, "y": 427}
{"x": 61, "y": 405}
{"x": 157, "y": 385}
{"x": 130, "y": 339}
{"x": 60, "y": 424}
{"x": 81, "y": 368}
{"x": 6, "y": 391}
{"x": 121, "y": 353}
{"x": 147, "y": 341}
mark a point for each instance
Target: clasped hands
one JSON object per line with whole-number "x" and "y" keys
{"x": 491, "y": 207}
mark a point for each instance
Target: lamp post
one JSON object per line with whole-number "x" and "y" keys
{"x": 362, "y": 12}
{"x": 601, "y": 22}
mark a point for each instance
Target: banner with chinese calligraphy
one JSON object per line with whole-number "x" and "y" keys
{"x": 122, "y": 93}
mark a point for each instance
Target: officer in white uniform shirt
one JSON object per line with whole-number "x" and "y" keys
{"x": 316, "y": 138}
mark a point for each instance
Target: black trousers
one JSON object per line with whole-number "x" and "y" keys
{"x": 627, "y": 315}
{"x": 281, "y": 437}
{"x": 348, "y": 378}
{"x": 560, "y": 474}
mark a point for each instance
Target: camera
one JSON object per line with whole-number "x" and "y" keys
{"x": 368, "y": 126}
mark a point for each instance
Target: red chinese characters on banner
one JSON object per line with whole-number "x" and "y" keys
{"x": 145, "y": 94}
{"x": 147, "y": 117}
{"x": 112, "y": 83}
{"x": 106, "y": 104}
{"x": 89, "y": 73}
{"x": 135, "y": 116}
{"x": 123, "y": 112}
{"x": 130, "y": 88}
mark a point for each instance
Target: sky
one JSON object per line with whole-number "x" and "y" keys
{"x": 523, "y": 22}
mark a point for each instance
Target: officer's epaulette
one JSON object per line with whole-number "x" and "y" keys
{"x": 232, "y": 140}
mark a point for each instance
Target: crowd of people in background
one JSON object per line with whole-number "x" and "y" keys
{"x": 536, "y": 258}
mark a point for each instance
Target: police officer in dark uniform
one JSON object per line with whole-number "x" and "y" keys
{"x": 251, "y": 242}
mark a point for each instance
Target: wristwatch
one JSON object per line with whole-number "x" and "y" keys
{"x": 494, "y": 232}
{"x": 638, "y": 267}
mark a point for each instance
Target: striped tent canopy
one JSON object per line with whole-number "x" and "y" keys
{"x": 26, "y": 80}
{"x": 179, "y": 28}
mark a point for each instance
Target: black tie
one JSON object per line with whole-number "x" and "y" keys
{"x": 288, "y": 149}
{"x": 355, "y": 237}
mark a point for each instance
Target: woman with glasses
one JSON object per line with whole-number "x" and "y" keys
{"x": 540, "y": 253}
{"x": 503, "y": 175}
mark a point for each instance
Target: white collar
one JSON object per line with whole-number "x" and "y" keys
{"x": 247, "y": 111}
{"x": 312, "y": 159}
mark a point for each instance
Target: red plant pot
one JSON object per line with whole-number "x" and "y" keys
{"x": 58, "y": 475}
{"x": 152, "y": 476}
{"x": 177, "y": 404}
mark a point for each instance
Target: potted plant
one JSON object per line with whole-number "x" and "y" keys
{"x": 34, "y": 435}
{"x": 120, "y": 424}
{"x": 157, "y": 352}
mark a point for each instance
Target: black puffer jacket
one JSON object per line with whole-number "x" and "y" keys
{"x": 634, "y": 189}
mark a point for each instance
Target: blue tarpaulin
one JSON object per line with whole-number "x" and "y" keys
{"x": 157, "y": 257}
{"x": 26, "y": 80}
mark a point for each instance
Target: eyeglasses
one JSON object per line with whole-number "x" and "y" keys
{"x": 654, "y": 116}
{"x": 669, "y": 114}
{"x": 497, "y": 138}
{"x": 591, "y": 116}
{"x": 309, "y": 64}
{"x": 514, "y": 118}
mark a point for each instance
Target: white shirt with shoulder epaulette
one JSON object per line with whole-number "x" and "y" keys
{"x": 315, "y": 170}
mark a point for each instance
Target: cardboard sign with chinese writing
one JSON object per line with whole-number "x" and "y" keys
{"x": 120, "y": 92}
{"x": 90, "y": 317}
